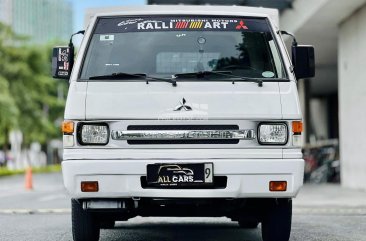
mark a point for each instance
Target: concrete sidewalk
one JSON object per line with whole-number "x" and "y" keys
{"x": 330, "y": 199}
{"x": 333, "y": 195}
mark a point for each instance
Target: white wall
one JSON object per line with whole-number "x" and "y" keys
{"x": 319, "y": 118}
{"x": 352, "y": 99}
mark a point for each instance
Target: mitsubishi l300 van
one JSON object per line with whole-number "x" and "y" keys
{"x": 183, "y": 111}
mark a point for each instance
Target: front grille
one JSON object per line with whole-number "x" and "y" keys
{"x": 182, "y": 127}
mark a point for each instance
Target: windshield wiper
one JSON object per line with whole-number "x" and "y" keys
{"x": 201, "y": 74}
{"x": 122, "y": 75}
{"x": 118, "y": 76}
{"x": 234, "y": 78}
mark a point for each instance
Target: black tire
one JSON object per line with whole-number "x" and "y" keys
{"x": 276, "y": 223}
{"x": 107, "y": 224}
{"x": 247, "y": 224}
{"x": 85, "y": 226}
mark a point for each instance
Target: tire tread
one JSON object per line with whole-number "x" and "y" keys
{"x": 276, "y": 224}
{"x": 84, "y": 225}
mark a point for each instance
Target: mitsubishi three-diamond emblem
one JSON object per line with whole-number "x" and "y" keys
{"x": 182, "y": 106}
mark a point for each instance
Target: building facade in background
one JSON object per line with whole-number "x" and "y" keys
{"x": 42, "y": 20}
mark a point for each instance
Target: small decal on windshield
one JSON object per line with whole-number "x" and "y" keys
{"x": 241, "y": 25}
{"x": 129, "y": 21}
{"x": 106, "y": 37}
{"x": 268, "y": 74}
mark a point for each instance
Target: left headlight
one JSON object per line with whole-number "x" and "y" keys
{"x": 93, "y": 134}
{"x": 273, "y": 133}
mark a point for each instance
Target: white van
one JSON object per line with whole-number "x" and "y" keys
{"x": 183, "y": 111}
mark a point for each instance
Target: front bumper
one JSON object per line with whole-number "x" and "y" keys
{"x": 246, "y": 178}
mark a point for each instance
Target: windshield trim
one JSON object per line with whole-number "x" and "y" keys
{"x": 82, "y": 63}
{"x": 185, "y": 80}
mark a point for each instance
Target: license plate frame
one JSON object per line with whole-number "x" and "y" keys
{"x": 180, "y": 174}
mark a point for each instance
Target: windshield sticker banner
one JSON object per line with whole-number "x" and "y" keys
{"x": 122, "y": 25}
{"x": 183, "y": 24}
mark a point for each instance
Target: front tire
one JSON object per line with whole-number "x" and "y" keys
{"x": 85, "y": 226}
{"x": 107, "y": 224}
{"x": 276, "y": 223}
{"x": 247, "y": 224}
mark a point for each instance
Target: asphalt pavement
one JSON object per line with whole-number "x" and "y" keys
{"x": 321, "y": 212}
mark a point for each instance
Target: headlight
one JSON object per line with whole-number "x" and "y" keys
{"x": 275, "y": 133}
{"x": 93, "y": 134}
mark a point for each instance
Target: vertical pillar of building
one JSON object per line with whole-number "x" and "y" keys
{"x": 352, "y": 99}
{"x": 304, "y": 96}
{"x": 6, "y": 10}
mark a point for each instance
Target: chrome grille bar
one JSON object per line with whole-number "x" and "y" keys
{"x": 183, "y": 134}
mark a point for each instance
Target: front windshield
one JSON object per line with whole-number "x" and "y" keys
{"x": 163, "y": 46}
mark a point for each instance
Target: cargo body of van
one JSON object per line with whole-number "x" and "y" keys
{"x": 183, "y": 111}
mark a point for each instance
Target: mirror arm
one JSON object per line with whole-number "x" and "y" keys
{"x": 72, "y": 48}
{"x": 71, "y": 44}
{"x": 294, "y": 42}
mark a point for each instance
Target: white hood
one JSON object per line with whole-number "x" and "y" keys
{"x": 157, "y": 100}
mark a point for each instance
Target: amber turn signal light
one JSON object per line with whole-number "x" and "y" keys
{"x": 67, "y": 127}
{"x": 297, "y": 127}
{"x": 278, "y": 186}
{"x": 89, "y": 186}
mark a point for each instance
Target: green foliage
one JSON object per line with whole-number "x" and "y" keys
{"x": 28, "y": 96}
{"x": 46, "y": 169}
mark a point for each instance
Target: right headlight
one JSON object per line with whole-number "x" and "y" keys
{"x": 272, "y": 133}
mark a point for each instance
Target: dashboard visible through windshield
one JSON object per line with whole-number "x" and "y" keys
{"x": 163, "y": 46}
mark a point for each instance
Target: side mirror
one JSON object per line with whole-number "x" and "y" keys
{"x": 303, "y": 59}
{"x": 62, "y": 62}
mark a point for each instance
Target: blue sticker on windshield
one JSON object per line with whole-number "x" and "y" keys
{"x": 154, "y": 24}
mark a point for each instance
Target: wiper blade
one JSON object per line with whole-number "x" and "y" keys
{"x": 232, "y": 77}
{"x": 172, "y": 81}
{"x": 247, "y": 79}
{"x": 122, "y": 75}
{"x": 201, "y": 74}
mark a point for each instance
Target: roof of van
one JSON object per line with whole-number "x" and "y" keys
{"x": 184, "y": 10}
